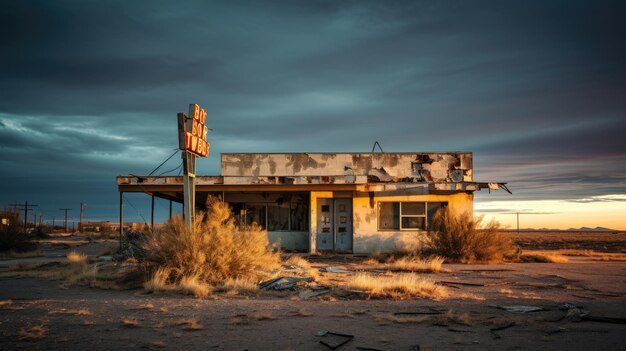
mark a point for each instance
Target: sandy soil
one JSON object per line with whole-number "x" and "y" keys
{"x": 40, "y": 314}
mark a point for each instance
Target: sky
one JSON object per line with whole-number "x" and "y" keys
{"x": 535, "y": 89}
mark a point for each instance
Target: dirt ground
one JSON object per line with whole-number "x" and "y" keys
{"x": 574, "y": 297}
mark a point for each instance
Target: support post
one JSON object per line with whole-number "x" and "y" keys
{"x": 170, "y": 209}
{"x": 152, "y": 214}
{"x": 26, "y": 215}
{"x": 189, "y": 188}
{"x": 80, "y": 224}
{"x": 121, "y": 217}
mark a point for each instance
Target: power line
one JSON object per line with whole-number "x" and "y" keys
{"x": 25, "y": 205}
{"x": 162, "y": 163}
{"x": 171, "y": 170}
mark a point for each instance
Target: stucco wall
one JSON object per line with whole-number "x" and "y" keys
{"x": 289, "y": 240}
{"x": 434, "y": 167}
{"x": 367, "y": 237}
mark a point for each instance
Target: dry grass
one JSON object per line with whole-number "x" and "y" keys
{"x": 4, "y": 303}
{"x": 403, "y": 319}
{"x": 262, "y": 316}
{"x": 76, "y": 312}
{"x": 11, "y": 254}
{"x": 399, "y": 286}
{"x": 131, "y": 322}
{"x": 76, "y": 257}
{"x": 459, "y": 239}
{"x": 458, "y": 318}
{"x": 303, "y": 266}
{"x": 241, "y": 286}
{"x": 191, "y": 324}
{"x": 371, "y": 262}
{"x": 545, "y": 258}
{"x": 147, "y": 306}
{"x": 158, "y": 344}
{"x": 193, "y": 285}
{"x": 303, "y": 312}
{"x": 416, "y": 264}
{"x": 76, "y": 270}
{"x": 212, "y": 251}
{"x": 110, "y": 248}
{"x": 36, "y": 332}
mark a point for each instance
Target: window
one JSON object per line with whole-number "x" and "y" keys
{"x": 282, "y": 214}
{"x": 406, "y": 215}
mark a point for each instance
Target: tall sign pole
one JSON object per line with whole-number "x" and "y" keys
{"x": 192, "y": 140}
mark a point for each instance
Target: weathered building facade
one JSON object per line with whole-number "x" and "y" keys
{"x": 343, "y": 202}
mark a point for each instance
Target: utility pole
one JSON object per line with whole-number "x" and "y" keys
{"x": 25, "y": 205}
{"x": 65, "y": 209}
{"x": 80, "y": 224}
{"x": 517, "y": 222}
{"x": 53, "y": 224}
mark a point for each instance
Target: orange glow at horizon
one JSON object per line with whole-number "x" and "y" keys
{"x": 607, "y": 211}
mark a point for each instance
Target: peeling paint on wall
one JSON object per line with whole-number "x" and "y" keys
{"x": 452, "y": 167}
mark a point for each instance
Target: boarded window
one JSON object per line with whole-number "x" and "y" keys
{"x": 388, "y": 215}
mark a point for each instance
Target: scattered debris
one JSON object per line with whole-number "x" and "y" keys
{"x": 308, "y": 294}
{"x": 367, "y": 348}
{"x": 283, "y": 283}
{"x": 331, "y": 269}
{"x": 338, "y": 339}
{"x": 427, "y": 310}
{"x": 568, "y": 306}
{"x": 494, "y": 330}
{"x": 520, "y": 308}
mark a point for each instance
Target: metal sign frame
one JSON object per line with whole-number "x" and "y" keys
{"x": 192, "y": 135}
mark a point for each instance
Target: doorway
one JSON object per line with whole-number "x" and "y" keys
{"x": 334, "y": 225}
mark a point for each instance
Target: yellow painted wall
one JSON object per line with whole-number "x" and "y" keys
{"x": 367, "y": 238}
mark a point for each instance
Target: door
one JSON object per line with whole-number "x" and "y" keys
{"x": 334, "y": 225}
{"x": 343, "y": 224}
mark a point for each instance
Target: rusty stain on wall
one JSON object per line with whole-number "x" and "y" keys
{"x": 450, "y": 167}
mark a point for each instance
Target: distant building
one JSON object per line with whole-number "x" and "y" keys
{"x": 342, "y": 202}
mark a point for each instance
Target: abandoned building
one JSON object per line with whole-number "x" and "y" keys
{"x": 342, "y": 202}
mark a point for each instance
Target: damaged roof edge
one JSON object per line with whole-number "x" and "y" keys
{"x": 494, "y": 186}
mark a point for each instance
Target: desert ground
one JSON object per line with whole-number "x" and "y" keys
{"x": 577, "y": 303}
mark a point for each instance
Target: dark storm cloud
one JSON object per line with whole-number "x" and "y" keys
{"x": 90, "y": 89}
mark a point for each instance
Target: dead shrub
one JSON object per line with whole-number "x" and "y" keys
{"x": 213, "y": 250}
{"x": 399, "y": 286}
{"x": 240, "y": 286}
{"x": 457, "y": 237}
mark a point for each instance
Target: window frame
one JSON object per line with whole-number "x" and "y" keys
{"x": 267, "y": 206}
{"x": 400, "y": 215}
